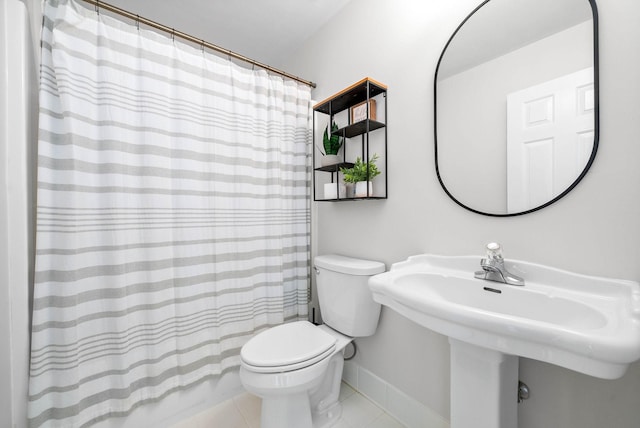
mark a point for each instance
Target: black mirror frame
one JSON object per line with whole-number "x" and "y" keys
{"x": 596, "y": 117}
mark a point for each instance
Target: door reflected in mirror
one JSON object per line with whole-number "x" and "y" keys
{"x": 517, "y": 104}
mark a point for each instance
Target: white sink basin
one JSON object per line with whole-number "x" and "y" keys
{"x": 587, "y": 324}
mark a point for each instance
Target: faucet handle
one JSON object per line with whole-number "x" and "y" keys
{"x": 494, "y": 251}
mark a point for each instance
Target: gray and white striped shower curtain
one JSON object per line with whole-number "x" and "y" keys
{"x": 173, "y": 215}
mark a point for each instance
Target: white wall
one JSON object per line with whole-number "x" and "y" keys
{"x": 594, "y": 230}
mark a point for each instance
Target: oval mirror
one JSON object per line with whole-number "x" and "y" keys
{"x": 516, "y": 104}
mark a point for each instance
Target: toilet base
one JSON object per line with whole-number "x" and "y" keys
{"x": 325, "y": 400}
{"x": 328, "y": 417}
{"x": 292, "y": 410}
{"x": 318, "y": 408}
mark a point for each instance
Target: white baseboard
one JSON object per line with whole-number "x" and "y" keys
{"x": 396, "y": 403}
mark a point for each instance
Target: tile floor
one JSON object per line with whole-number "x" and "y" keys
{"x": 243, "y": 411}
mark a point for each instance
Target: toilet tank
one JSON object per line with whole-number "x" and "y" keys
{"x": 346, "y": 302}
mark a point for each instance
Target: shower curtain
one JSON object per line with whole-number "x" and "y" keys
{"x": 172, "y": 220}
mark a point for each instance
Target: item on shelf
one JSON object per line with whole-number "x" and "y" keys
{"x": 363, "y": 189}
{"x": 359, "y": 111}
{"x": 328, "y": 160}
{"x": 361, "y": 173}
{"x": 332, "y": 144}
{"x": 335, "y": 191}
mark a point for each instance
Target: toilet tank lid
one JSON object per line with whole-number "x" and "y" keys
{"x": 348, "y": 265}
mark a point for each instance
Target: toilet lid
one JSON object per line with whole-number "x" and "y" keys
{"x": 287, "y": 347}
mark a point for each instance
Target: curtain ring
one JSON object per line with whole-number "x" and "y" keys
{"x": 97, "y": 5}
{"x": 138, "y": 22}
{"x": 173, "y": 35}
{"x": 202, "y": 45}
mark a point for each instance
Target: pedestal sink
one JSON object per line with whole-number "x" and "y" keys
{"x": 587, "y": 324}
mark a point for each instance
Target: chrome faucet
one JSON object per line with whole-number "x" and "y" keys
{"x": 493, "y": 267}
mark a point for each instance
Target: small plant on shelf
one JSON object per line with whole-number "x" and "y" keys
{"x": 333, "y": 142}
{"x": 361, "y": 171}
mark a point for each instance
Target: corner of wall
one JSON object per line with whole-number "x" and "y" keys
{"x": 401, "y": 406}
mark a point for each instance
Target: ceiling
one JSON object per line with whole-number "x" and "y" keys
{"x": 265, "y": 30}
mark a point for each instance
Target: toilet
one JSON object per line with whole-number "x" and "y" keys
{"x": 296, "y": 368}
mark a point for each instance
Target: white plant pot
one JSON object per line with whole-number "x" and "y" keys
{"x": 327, "y": 160}
{"x": 361, "y": 189}
{"x": 351, "y": 187}
{"x": 331, "y": 191}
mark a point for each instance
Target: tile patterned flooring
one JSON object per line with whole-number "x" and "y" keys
{"x": 243, "y": 411}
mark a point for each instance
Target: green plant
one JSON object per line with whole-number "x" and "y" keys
{"x": 361, "y": 171}
{"x": 331, "y": 143}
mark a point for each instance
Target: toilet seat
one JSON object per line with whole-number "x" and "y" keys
{"x": 287, "y": 347}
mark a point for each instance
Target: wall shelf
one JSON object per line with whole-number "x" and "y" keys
{"x": 359, "y": 128}
{"x": 335, "y": 167}
{"x": 372, "y": 130}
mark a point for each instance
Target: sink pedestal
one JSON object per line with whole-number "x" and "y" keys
{"x": 484, "y": 387}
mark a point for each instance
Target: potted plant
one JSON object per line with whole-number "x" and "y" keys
{"x": 361, "y": 174}
{"x": 332, "y": 143}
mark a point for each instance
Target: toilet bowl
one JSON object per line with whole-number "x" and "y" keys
{"x": 302, "y": 389}
{"x": 296, "y": 368}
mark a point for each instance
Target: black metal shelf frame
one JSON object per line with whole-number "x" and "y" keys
{"x": 362, "y": 91}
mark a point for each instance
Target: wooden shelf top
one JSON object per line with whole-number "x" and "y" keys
{"x": 350, "y": 96}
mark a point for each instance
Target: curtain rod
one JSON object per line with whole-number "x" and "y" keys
{"x": 175, "y": 33}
